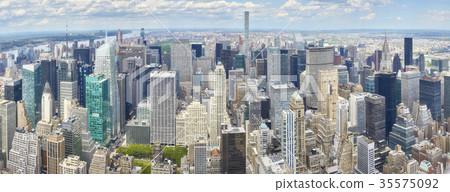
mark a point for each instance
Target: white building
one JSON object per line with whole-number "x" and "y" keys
{"x": 7, "y": 127}
{"x": 366, "y": 156}
{"x": 72, "y": 165}
{"x": 218, "y": 108}
{"x": 25, "y": 155}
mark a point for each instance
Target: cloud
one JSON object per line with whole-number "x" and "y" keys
{"x": 439, "y": 16}
{"x": 368, "y": 17}
{"x": 43, "y": 22}
{"x": 399, "y": 18}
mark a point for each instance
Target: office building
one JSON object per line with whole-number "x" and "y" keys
{"x": 328, "y": 96}
{"x": 138, "y": 132}
{"x": 376, "y": 119}
{"x": 200, "y": 155}
{"x": 7, "y": 127}
{"x": 22, "y": 116}
{"x": 408, "y": 51}
{"x": 403, "y": 131}
{"x": 67, "y": 74}
{"x": 82, "y": 55}
{"x": 366, "y": 156}
{"x": 317, "y": 58}
{"x": 289, "y": 141}
{"x": 44, "y": 126}
{"x": 67, "y": 90}
{"x": 410, "y": 91}
{"x": 385, "y": 85}
{"x": 386, "y": 62}
{"x": 181, "y": 61}
{"x": 25, "y": 154}
{"x": 246, "y": 33}
{"x": 370, "y": 84}
{"x": 233, "y": 150}
{"x": 87, "y": 147}
{"x": 13, "y": 90}
{"x": 357, "y": 112}
{"x": 32, "y": 91}
{"x": 71, "y": 129}
{"x": 163, "y": 101}
{"x": 430, "y": 95}
{"x": 83, "y": 71}
{"x": 397, "y": 65}
{"x": 100, "y": 161}
{"x": 218, "y": 106}
{"x": 193, "y": 123}
{"x": 72, "y": 165}
{"x": 279, "y": 101}
{"x": 98, "y": 105}
{"x": 55, "y": 152}
{"x": 273, "y": 65}
{"x": 49, "y": 74}
{"x": 446, "y": 101}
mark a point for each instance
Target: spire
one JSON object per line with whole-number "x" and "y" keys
{"x": 67, "y": 41}
{"x": 47, "y": 88}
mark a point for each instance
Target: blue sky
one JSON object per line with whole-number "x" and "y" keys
{"x": 51, "y": 15}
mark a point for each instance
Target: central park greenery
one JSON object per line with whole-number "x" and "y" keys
{"x": 146, "y": 152}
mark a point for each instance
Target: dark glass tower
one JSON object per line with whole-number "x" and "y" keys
{"x": 386, "y": 85}
{"x": 376, "y": 119}
{"x": 233, "y": 151}
{"x": 13, "y": 90}
{"x": 430, "y": 95}
{"x": 397, "y": 65}
{"x": 49, "y": 75}
{"x": 226, "y": 57}
{"x": 197, "y": 48}
{"x": 408, "y": 51}
{"x": 84, "y": 71}
{"x": 293, "y": 70}
{"x": 446, "y": 97}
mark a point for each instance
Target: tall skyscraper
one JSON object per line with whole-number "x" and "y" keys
{"x": 298, "y": 108}
{"x": 279, "y": 101}
{"x": 246, "y": 33}
{"x": 446, "y": 96}
{"x": 386, "y": 62}
{"x": 25, "y": 154}
{"x": 408, "y": 51}
{"x": 49, "y": 74}
{"x": 200, "y": 155}
{"x": 366, "y": 156}
{"x": 218, "y": 108}
{"x": 357, "y": 112}
{"x": 22, "y": 117}
{"x": 67, "y": 74}
{"x": 71, "y": 129}
{"x": 397, "y": 65}
{"x": 410, "y": 88}
{"x": 32, "y": 91}
{"x": 181, "y": 61}
{"x": 430, "y": 95}
{"x": 83, "y": 72}
{"x": 106, "y": 62}
{"x": 385, "y": 85}
{"x": 289, "y": 141}
{"x": 55, "y": 152}
{"x": 376, "y": 119}
{"x": 317, "y": 58}
{"x": 87, "y": 147}
{"x": 44, "y": 126}
{"x": 233, "y": 150}
{"x": 195, "y": 124}
{"x": 7, "y": 127}
{"x": 98, "y": 105}
{"x": 273, "y": 65}
{"x": 163, "y": 100}
{"x": 13, "y": 90}
{"x": 403, "y": 131}
{"x": 328, "y": 95}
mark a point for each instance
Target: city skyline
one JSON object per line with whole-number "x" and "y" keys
{"x": 37, "y": 16}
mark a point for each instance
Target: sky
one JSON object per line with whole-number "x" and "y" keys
{"x": 51, "y": 15}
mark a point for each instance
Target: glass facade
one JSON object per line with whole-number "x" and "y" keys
{"x": 32, "y": 91}
{"x": 98, "y": 104}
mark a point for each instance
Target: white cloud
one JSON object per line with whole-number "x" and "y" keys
{"x": 4, "y": 4}
{"x": 399, "y": 18}
{"x": 43, "y": 22}
{"x": 368, "y": 17}
{"x": 349, "y": 9}
{"x": 439, "y": 16}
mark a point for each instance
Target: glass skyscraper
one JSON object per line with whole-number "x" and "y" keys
{"x": 98, "y": 104}
{"x": 32, "y": 91}
{"x": 403, "y": 131}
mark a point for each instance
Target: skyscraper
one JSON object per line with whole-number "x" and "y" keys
{"x": 233, "y": 150}
{"x": 430, "y": 95}
{"x": 100, "y": 161}
{"x": 55, "y": 152}
{"x": 44, "y": 126}
{"x": 72, "y": 165}
{"x": 403, "y": 131}
{"x": 195, "y": 124}
{"x": 32, "y": 91}
{"x": 397, "y": 65}
{"x": 106, "y": 62}
{"x": 366, "y": 156}
{"x": 246, "y": 33}
{"x": 200, "y": 155}
{"x": 410, "y": 88}
{"x": 328, "y": 96}
{"x": 408, "y": 51}
{"x": 98, "y": 104}
{"x": 13, "y": 90}
{"x": 357, "y": 112}
{"x": 289, "y": 141}
{"x": 386, "y": 62}
{"x": 317, "y": 58}
{"x": 163, "y": 102}
{"x": 83, "y": 72}
{"x": 376, "y": 119}
{"x": 71, "y": 129}
{"x": 181, "y": 61}
{"x": 273, "y": 65}
{"x": 218, "y": 113}
{"x": 385, "y": 85}
{"x": 25, "y": 154}
{"x": 297, "y": 107}
{"x": 279, "y": 101}
{"x": 446, "y": 96}
{"x": 7, "y": 127}
{"x": 87, "y": 147}
{"x": 67, "y": 73}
